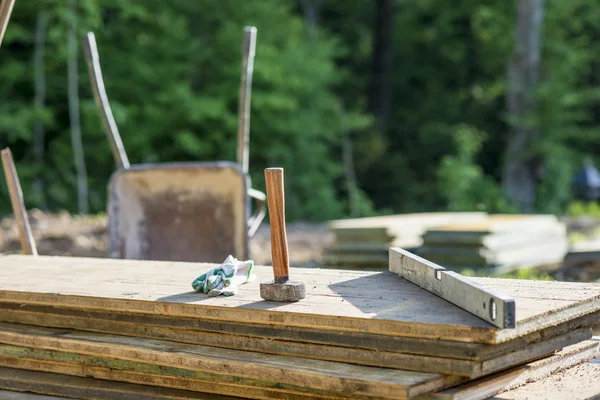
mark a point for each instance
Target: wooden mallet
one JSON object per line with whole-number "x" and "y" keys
{"x": 281, "y": 288}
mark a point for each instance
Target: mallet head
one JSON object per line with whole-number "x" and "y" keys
{"x": 282, "y": 291}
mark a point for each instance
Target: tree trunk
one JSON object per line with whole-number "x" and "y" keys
{"x": 349, "y": 170}
{"x": 39, "y": 133}
{"x": 380, "y": 91}
{"x": 311, "y": 10}
{"x": 74, "y": 116}
{"x": 523, "y": 77}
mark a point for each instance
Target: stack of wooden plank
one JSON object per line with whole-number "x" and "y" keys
{"x": 357, "y": 334}
{"x": 582, "y": 262}
{"x": 497, "y": 244}
{"x": 365, "y": 242}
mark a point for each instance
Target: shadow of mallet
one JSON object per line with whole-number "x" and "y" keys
{"x": 281, "y": 288}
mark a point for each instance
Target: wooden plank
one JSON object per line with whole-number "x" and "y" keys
{"x": 208, "y": 363}
{"x": 93, "y": 383}
{"x": 6, "y": 395}
{"x": 490, "y": 305}
{"x": 550, "y": 252}
{"x": 350, "y": 301}
{"x": 49, "y": 385}
{"x": 365, "y": 349}
{"x": 406, "y": 220}
{"x": 244, "y": 363}
{"x": 192, "y": 377}
{"x": 501, "y": 382}
{"x": 370, "y": 259}
{"x": 499, "y": 223}
{"x": 494, "y": 240}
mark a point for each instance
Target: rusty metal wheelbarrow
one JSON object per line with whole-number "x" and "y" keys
{"x": 181, "y": 211}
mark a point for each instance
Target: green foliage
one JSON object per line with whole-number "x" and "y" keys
{"x": 520, "y": 273}
{"x": 528, "y": 273}
{"x": 172, "y": 71}
{"x": 462, "y": 182}
{"x": 568, "y": 97}
{"x": 584, "y": 209}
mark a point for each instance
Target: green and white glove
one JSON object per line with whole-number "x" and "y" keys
{"x": 226, "y": 278}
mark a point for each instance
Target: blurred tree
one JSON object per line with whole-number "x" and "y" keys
{"x": 520, "y": 167}
{"x": 171, "y": 71}
{"x": 432, "y": 75}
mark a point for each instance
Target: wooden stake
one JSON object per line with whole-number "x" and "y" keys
{"x": 6, "y": 7}
{"x": 18, "y": 205}
{"x": 92, "y": 58}
{"x": 248, "y": 52}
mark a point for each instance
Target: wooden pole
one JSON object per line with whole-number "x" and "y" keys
{"x": 248, "y": 51}
{"x": 18, "y": 205}
{"x": 92, "y": 58}
{"x": 6, "y": 7}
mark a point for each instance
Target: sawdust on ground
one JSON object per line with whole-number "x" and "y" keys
{"x": 577, "y": 383}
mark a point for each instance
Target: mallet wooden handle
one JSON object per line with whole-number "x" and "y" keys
{"x": 18, "y": 205}
{"x": 276, "y": 204}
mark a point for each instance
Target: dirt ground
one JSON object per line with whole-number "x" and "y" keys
{"x": 576, "y": 383}
{"x": 63, "y": 234}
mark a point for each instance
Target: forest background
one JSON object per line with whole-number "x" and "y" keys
{"x": 371, "y": 106}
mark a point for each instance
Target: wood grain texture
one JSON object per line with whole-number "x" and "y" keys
{"x": 276, "y": 201}
{"x": 209, "y": 363}
{"x": 423, "y": 355}
{"x": 17, "y": 202}
{"x": 490, "y": 305}
{"x": 501, "y": 382}
{"x": 186, "y": 379}
{"x": 342, "y": 301}
{"x": 75, "y": 387}
{"x": 44, "y": 338}
{"x": 10, "y": 395}
{"x": 152, "y": 381}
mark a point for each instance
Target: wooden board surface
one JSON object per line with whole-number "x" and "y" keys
{"x": 290, "y": 371}
{"x": 206, "y": 368}
{"x": 549, "y": 252}
{"x": 10, "y": 395}
{"x": 298, "y": 341}
{"x": 416, "y": 220}
{"x": 256, "y": 365}
{"x": 501, "y": 382}
{"x": 499, "y": 223}
{"x": 373, "y": 302}
{"x": 494, "y": 241}
{"x": 46, "y": 385}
